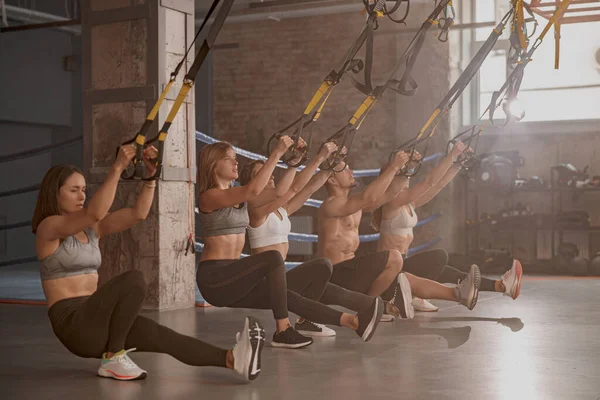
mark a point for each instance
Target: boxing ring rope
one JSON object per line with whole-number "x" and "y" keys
{"x": 26, "y": 189}
{"x": 39, "y": 150}
{"x": 289, "y": 265}
{"x": 203, "y": 138}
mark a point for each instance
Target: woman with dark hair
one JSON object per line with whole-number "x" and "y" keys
{"x": 395, "y": 221}
{"x": 257, "y": 281}
{"x": 102, "y": 322}
{"x": 270, "y": 226}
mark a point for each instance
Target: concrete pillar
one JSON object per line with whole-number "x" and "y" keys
{"x": 129, "y": 48}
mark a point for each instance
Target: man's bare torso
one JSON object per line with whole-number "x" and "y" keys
{"x": 338, "y": 236}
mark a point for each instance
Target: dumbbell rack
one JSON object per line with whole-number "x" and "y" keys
{"x": 556, "y": 205}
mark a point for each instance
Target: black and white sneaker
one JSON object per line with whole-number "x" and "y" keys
{"x": 467, "y": 290}
{"x": 403, "y": 297}
{"x": 369, "y": 319}
{"x": 290, "y": 339}
{"x": 247, "y": 350}
{"x": 309, "y": 328}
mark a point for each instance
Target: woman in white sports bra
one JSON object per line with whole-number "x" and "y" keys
{"x": 269, "y": 228}
{"x": 395, "y": 222}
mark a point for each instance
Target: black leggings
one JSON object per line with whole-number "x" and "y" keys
{"x": 259, "y": 282}
{"x": 108, "y": 321}
{"x": 433, "y": 264}
{"x": 357, "y": 274}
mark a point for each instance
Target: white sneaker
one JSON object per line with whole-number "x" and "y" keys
{"x": 403, "y": 300}
{"x": 309, "y": 328}
{"x": 387, "y": 318}
{"x": 120, "y": 367}
{"x": 512, "y": 280}
{"x": 423, "y": 305}
{"x": 247, "y": 350}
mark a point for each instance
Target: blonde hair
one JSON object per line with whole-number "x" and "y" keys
{"x": 47, "y": 200}
{"x": 208, "y": 157}
{"x": 246, "y": 173}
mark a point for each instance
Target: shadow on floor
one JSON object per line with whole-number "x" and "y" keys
{"x": 515, "y": 324}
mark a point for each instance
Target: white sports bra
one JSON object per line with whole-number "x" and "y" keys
{"x": 401, "y": 224}
{"x": 272, "y": 231}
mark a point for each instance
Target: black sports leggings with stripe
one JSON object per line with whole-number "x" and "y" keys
{"x": 260, "y": 282}
{"x": 108, "y": 321}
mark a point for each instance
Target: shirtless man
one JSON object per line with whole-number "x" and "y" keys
{"x": 380, "y": 273}
{"x": 375, "y": 274}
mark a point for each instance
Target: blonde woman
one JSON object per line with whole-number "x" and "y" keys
{"x": 257, "y": 281}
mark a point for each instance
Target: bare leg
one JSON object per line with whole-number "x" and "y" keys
{"x": 499, "y": 286}
{"x": 282, "y": 324}
{"x": 428, "y": 289}
{"x": 349, "y": 321}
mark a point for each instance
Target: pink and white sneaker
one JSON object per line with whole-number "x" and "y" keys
{"x": 120, "y": 367}
{"x": 512, "y": 280}
{"x": 423, "y": 305}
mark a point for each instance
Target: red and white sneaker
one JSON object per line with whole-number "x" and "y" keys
{"x": 512, "y": 280}
{"x": 423, "y": 305}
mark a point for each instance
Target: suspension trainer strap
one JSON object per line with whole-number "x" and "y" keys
{"x": 346, "y": 135}
{"x": 140, "y": 138}
{"x": 407, "y": 85}
{"x": 188, "y": 82}
{"x": 315, "y": 107}
{"x": 509, "y": 90}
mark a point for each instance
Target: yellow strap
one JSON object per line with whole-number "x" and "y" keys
{"x": 363, "y": 107}
{"x": 438, "y": 122}
{"x": 156, "y": 107}
{"x": 141, "y": 140}
{"x": 317, "y": 97}
{"x": 364, "y": 11}
{"x": 320, "y": 110}
{"x": 433, "y": 116}
{"x": 364, "y": 116}
{"x": 178, "y": 102}
{"x": 520, "y": 19}
{"x": 562, "y": 7}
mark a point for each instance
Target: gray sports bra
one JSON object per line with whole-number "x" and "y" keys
{"x": 225, "y": 221}
{"x": 72, "y": 257}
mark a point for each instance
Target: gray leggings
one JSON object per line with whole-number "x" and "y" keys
{"x": 108, "y": 321}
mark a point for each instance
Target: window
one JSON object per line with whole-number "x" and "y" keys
{"x": 570, "y": 93}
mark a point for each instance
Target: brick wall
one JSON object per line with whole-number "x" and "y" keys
{"x": 266, "y": 83}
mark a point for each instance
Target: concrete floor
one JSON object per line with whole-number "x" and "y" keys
{"x": 545, "y": 345}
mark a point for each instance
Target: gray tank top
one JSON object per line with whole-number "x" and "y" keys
{"x": 225, "y": 221}
{"x": 72, "y": 257}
